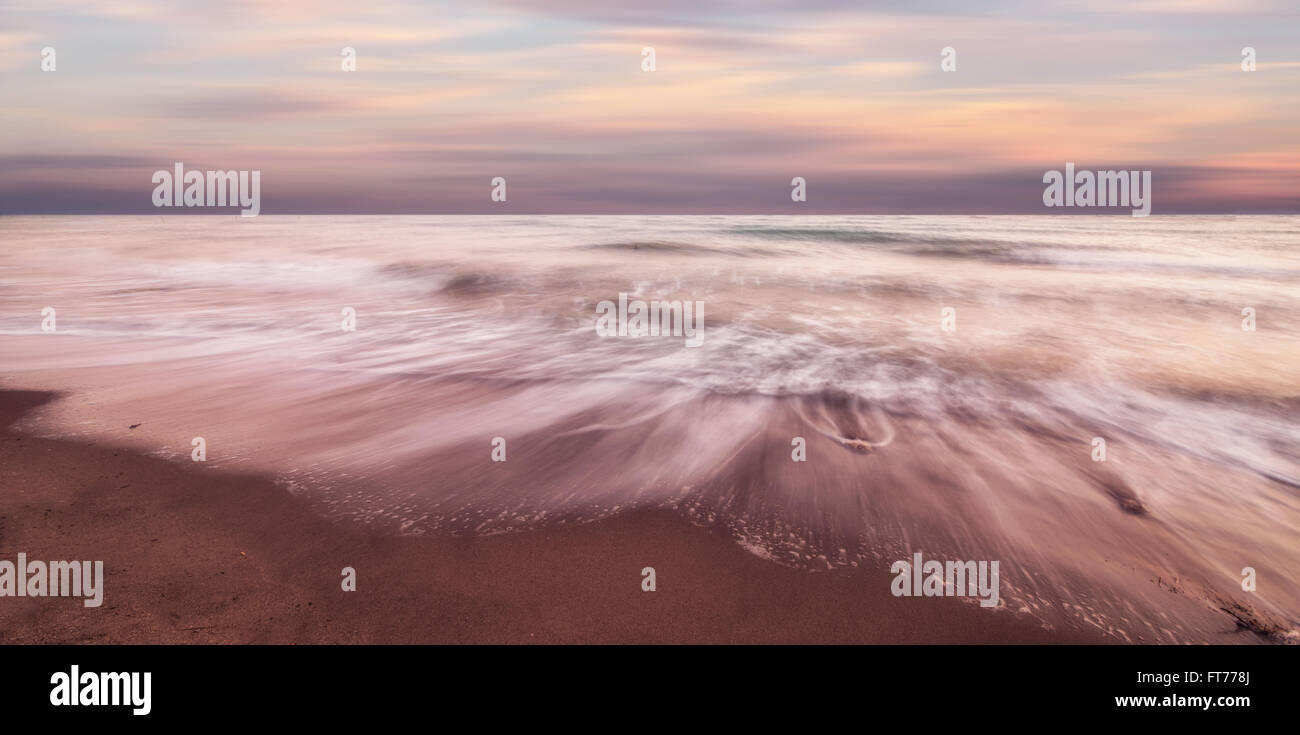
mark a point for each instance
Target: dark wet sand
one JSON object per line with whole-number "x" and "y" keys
{"x": 196, "y": 556}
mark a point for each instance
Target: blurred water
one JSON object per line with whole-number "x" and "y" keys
{"x": 471, "y": 327}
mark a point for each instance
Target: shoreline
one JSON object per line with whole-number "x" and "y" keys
{"x": 193, "y": 555}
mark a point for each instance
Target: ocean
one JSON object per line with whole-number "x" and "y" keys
{"x": 947, "y": 378}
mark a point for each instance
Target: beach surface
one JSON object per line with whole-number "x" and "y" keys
{"x": 194, "y": 556}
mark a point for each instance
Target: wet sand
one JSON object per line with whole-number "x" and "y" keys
{"x": 193, "y": 555}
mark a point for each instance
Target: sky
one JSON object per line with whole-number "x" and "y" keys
{"x": 744, "y": 96}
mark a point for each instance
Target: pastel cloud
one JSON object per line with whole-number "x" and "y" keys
{"x": 552, "y": 96}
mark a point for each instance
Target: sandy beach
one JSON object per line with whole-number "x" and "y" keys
{"x": 197, "y": 556}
